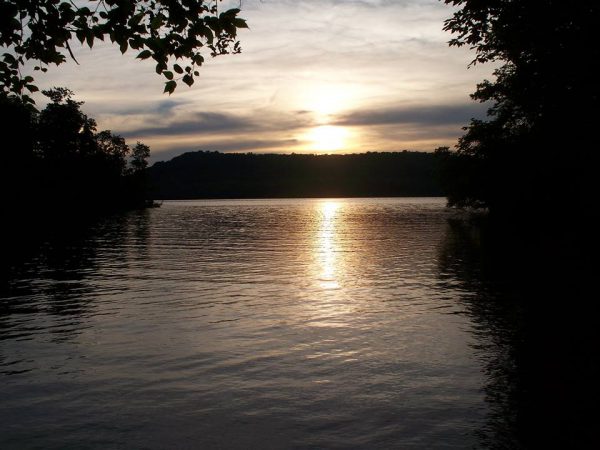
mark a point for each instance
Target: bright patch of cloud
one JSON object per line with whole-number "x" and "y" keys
{"x": 381, "y": 69}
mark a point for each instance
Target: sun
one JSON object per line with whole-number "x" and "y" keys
{"x": 328, "y": 138}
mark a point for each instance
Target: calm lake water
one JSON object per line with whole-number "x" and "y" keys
{"x": 258, "y": 324}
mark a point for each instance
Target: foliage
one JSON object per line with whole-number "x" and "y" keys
{"x": 139, "y": 157}
{"x": 59, "y": 155}
{"x": 544, "y": 99}
{"x": 63, "y": 130}
{"x": 42, "y": 31}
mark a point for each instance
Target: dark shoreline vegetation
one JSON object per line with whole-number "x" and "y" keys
{"x": 61, "y": 174}
{"x": 203, "y": 174}
{"x": 61, "y": 164}
{"x": 534, "y": 150}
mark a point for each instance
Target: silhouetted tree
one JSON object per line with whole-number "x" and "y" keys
{"x": 63, "y": 130}
{"x": 137, "y": 171}
{"x": 42, "y": 32}
{"x": 17, "y": 119}
{"x": 60, "y": 161}
{"x": 535, "y": 147}
{"x": 139, "y": 158}
{"x": 114, "y": 149}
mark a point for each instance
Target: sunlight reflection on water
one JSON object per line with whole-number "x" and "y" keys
{"x": 238, "y": 324}
{"x": 326, "y": 244}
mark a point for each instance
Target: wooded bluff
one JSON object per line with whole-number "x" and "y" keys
{"x": 205, "y": 174}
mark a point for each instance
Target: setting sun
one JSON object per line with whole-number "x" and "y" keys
{"x": 328, "y": 138}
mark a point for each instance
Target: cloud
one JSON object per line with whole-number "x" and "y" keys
{"x": 167, "y": 106}
{"x": 201, "y": 122}
{"x": 418, "y": 115}
{"x": 415, "y": 127}
{"x": 250, "y": 145}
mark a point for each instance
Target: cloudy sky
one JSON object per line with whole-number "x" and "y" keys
{"x": 314, "y": 76}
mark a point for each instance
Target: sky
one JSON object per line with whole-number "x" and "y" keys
{"x": 315, "y": 76}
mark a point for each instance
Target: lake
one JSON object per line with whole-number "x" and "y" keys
{"x": 309, "y": 323}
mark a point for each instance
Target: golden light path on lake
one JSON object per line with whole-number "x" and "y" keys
{"x": 327, "y": 249}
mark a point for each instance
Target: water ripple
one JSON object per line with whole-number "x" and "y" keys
{"x": 237, "y": 324}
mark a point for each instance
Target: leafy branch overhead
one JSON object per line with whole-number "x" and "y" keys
{"x": 174, "y": 33}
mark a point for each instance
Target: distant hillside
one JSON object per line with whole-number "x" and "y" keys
{"x": 234, "y": 175}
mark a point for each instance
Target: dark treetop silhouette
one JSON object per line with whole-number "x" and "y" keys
{"x": 535, "y": 148}
{"x": 41, "y": 31}
{"x": 59, "y": 161}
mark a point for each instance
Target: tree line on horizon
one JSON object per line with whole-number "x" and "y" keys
{"x": 205, "y": 174}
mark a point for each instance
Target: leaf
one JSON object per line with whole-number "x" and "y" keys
{"x": 230, "y": 29}
{"x": 177, "y": 68}
{"x": 188, "y": 79}
{"x": 90, "y": 39}
{"x": 207, "y": 34}
{"x": 27, "y": 99}
{"x": 168, "y": 74}
{"x": 156, "y": 22}
{"x": 239, "y": 23}
{"x": 136, "y": 19}
{"x": 31, "y": 88}
{"x": 144, "y": 54}
{"x": 123, "y": 47}
{"x": 10, "y": 59}
{"x": 98, "y": 33}
{"x": 170, "y": 86}
{"x": 160, "y": 67}
{"x": 230, "y": 13}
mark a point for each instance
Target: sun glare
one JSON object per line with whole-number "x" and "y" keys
{"x": 327, "y": 250}
{"x": 327, "y": 138}
{"x": 325, "y": 100}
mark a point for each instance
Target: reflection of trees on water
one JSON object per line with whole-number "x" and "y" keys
{"x": 493, "y": 313}
{"x": 56, "y": 279}
{"x": 534, "y": 331}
